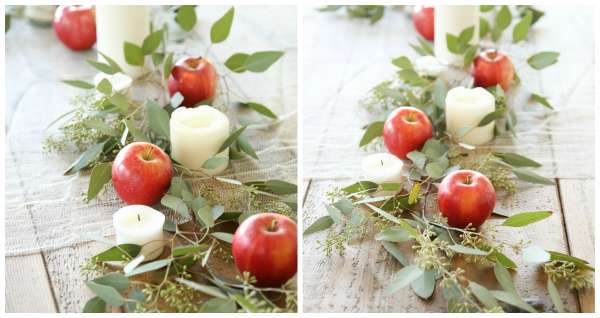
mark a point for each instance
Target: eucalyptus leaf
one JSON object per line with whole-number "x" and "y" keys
{"x": 281, "y": 187}
{"x": 531, "y": 177}
{"x": 418, "y": 158}
{"x": 393, "y": 234}
{"x": 383, "y": 213}
{"x": 334, "y": 213}
{"x": 555, "y": 296}
{"x": 434, "y": 149}
{"x": 262, "y": 109}
{"x": 176, "y": 204}
{"x": 218, "y": 305}
{"x": 521, "y": 29}
{"x": 225, "y": 237}
{"x": 542, "y": 101}
{"x": 168, "y": 65}
{"x": 504, "y": 279}
{"x": 152, "y": 42}
{"x": 424, "y": 285}
{"x": 557, "y": 256}
{"x": 320, "y": 224}
{"x": 360, "y": 186}
{"x": 231, "y": 138}
{"x": 95, "y": 305}
{"x": 440, "y": 90}
{"x": 80, "y": 84}
{"x": 512, "y": 299}
{"x": 504, "y": 260}
{"x": 158, "y": 119}
{"x": 403, "y": 278}
{"x": 113, "y": 64}
{"x": 104, "y": 87}
{"x": 246, "y": 147}
{"x": 412, "y": 77}
{"x": 134, "y": 55}
{"x": 396, "y": 253}
{"x": 261, "y": 61}
{"x": 137, "y": 134}
{"x": 118, "y": 253}
{"x": 120, "y": 101}
{"x": 237, "y": 62}
{"x": 516, "y": 160}
{"x": 186, "y": 17}
{"x": 543, "y": 59}
{"x": 373, "y": 131}
{"x": 526, "y": 218}
{"x": 86, "y": 158}
{"x": 214, "y": 162}
{"x": 204, "y": 214}
{"x": 102, "y": 67}
{"x": 116, "y": 280}
{"x": 107, "y": 293}
{"x": 483, "y": 295}
{"x": 101, "y": 175}
{"x": 148, "y": 267}
{"x": 220, "y": 29}
{"x": 468, "y": 250}
{"x": 206, "y": 289}
{"x": 344, "y": 205}
{"x": 490, "y": 117}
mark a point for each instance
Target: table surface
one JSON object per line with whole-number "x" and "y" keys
{"x": 48, "y": 280}
{"x": 344, "y": 58}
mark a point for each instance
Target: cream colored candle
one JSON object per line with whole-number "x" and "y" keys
{"x": 118, "y": 24}
{"x": 196, "y": 136}
{"x": 383, "y": 168}
{"x": 465, "y": 108}
{"x": 453, "y": 20}
{"x": 140, "y": 225}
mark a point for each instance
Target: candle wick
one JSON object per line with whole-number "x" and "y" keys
{"x": 139, "y": 220}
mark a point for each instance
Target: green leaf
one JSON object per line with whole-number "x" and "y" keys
{"x": 120, "y": 101}
{"x": 320, "y": 224}
{"x": 360, "y": 186}
{"x": 439, "y": 93}
{"x": 484, "y": 27}
{"x": 466, "y": 35}
{"x": 101, "y": 126}
{"x": 504, "y": 278}
{"x": 214, "y": 162}
{"x": 198, "y": 203}
{"x": 404, "y": 277}
{"x": 526, "y": 218}
{"x": 246, "y": 146}
{"x": 412, "y": 77}
{"x": 344, "y": 205}
{"x": 158, "y": 119}
{"x": 490, "y": 117}
{"x": 247, "y": 306}
{"x": 452, "y": 43}
{"x": 148, "y": 267}
{"x": 396, "y": 253}
{"x": 512, "y": 299}
{"x": 469, "y": 55}
{"x": 535, "y": 255}
{"x": 384, "y": 214}
{"x": 204, "y": 214}
{"x": 521, "y": 29}
{"x": 225, "y": 237}
{"x": 135, "y": 296}
{"x": 413, "y": 196}
{"x": 101, "y": 175}
{"x": 503, "y": 18}
{"x": 231, "y": 138}
{"x": 542, "y": 100}
{"x": 104, "y": 87}
{"x": 118, "y": 253}
{"x": 468, "y": 250}
{"x": 555, "y": 296}
{"x": 557, "y": 256}
{"x": 187, "y": 250}
{"x": 262, "y": 109}
{"x": 435, "y": 170}
{"x": 486, "y": 8}
{"x": 434, "y": 149}
{"x": 531, "y": 177}
{"x": 373, "y": 131}
{"x": 502, "y": 259}
{"x": 137, "y": 134}
{"x": 425, "y": 46}
{"x": 402, "y": 62}
{"x": 152, "y": 42}
{"x": 176, "y": 204}
{"x": 102, "y": 67}
{"x": 543, "y": 59}
{"x": 157, "y": 58}
{"x": 281, "y": 187}
{"x": 186, "y": 17}
{"x": 260, "y": 61}
{"x": 113, "y": 64}
{"x": 418, "y": 158}
{"x": 217, "y": 211}
{"x": 95, "y": 305}
{"x": 516, "y": 160}
{"x": 116, "y": 280}
{"x": 108, "y": 294}
{"x": 134, "y": 55}
{"x": 334, "y": 213}
{"x": 80, "y": 84}
{"x": 167, "y": 65}
{"x": 237, "y": 62}
{"x": 483, "y": 295}
{"x": 86, "y": 158}
{"x": 220, "y": 29}
{"x": 218, "y": 305}
{"x": 393, "y": 234}
{"x": 424, "y": 285}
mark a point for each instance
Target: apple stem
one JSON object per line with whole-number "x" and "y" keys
{"x": 148, "y": 154}
{"x": 468, "y": 181}
{"x": 273, "y": 226}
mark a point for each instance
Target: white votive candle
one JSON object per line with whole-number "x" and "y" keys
{"x": 196, "y": 136}
{"x": 383, "y": 168}
{"x": 118, "y": 24}
{"x": 453, "y": 20}
{"x": 140, "y": 225}
{"x": 465, "y": 108}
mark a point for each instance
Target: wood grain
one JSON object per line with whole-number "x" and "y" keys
{"x": 30, "y": 289}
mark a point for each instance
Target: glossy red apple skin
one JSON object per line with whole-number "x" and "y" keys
{"x": 491, "y": 68}
{"x": 406, "y": 129}
{"x": 195, "y": 79}
{"x": 265, "y": 245}
{"x": 75, "y": 26}
{"x": 141, "y": 173}
{"x": 466, "y": 196}
{"x": 423, "y": 18}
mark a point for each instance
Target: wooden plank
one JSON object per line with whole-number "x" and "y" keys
{"x": 30, "y": 290}
{"x": 355, "y": 282}
{"x": 578, "y": 208}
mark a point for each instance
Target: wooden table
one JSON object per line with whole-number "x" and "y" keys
{"x": 49, "y": 280}
{"x": 344, "y": 58}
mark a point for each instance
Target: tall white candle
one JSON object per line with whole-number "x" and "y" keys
{"x": 383, "y": 168}
{"x": 118, "y": 24}
{"x": 196, "y": 136}
{"x": 465, "y": 108}
{"x": 140, "y": 225}
{"x": 453, "y": 20}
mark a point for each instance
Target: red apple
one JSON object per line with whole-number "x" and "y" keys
{"x": 195, "y": 79}
{"x": 491, "y": 68}
{"x": 265, "y": 245}
{"x": 423, "y": 21}
{"x": 141, "y": 173}
{"x": 406, "y": 129}
{"x": 466, "y": 197}
{"x": 75, "y": 26}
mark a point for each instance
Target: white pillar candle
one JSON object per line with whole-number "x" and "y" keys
{"x": 140, "y": 225}
{"x": 453, "y": 20}
{"x": 196, "y": 136}
{"x": 465, "y": 108}
{"x": 118, "y": 24}
{"x": 383, "y": 168}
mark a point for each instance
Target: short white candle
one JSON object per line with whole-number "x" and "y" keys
{"x": 383, "y": 168}
{"x": 118, "y": 24}
{"x": 465, "y": 108}
{"x": 196, "y": 136}
{"x": 453, "y": 20}
{"x": 140, "y": 225}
